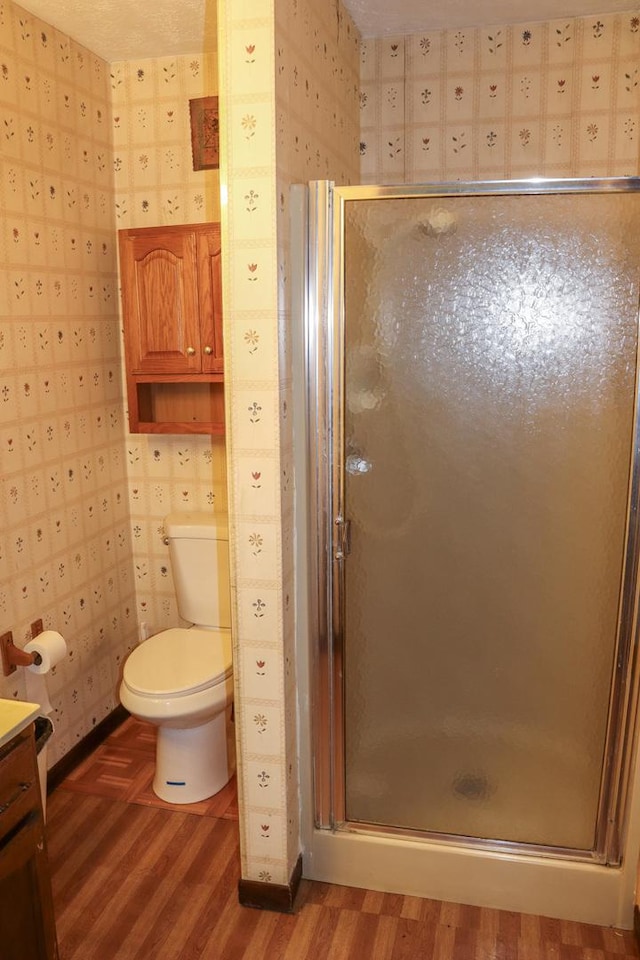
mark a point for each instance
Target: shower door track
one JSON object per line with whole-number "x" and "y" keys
{"x": 324, "y": 331}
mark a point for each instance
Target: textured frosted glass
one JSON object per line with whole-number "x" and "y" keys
{"x": 490, "y": 370}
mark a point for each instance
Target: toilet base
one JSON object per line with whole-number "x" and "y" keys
{"x": 195, "y": 763}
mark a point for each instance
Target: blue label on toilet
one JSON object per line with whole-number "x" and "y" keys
{"x": 176, "y": 783}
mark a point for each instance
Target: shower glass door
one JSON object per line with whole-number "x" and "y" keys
{"x": 487, "y": 355}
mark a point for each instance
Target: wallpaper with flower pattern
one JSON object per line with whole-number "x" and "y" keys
{"x": 65, "y": 541}
{"x": 553, "y": 99}
{"x": 288, "y": 81}
{"x": 87, "y": 148}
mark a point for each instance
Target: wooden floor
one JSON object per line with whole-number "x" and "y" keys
{"x": 135, "y": 879}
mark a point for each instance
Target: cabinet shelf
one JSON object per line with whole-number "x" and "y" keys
{"x": 175, "y": 405}
{"x": 175, "y": 427}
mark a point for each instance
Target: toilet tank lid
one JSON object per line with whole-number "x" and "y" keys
{"x": 196, "y": 525}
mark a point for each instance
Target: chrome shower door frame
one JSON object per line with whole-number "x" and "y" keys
{"x": 325, "y": 328}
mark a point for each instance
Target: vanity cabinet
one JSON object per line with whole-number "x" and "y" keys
{"x": 27, "y": 926}
{"x": 172, "y": 313}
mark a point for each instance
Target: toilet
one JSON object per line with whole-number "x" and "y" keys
{"x": 181, "y": 679}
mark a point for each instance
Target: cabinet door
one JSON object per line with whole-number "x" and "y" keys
{"x": 160, "y": 300}
{"x": 210, "y": 298}
{"x": 27, "y": 929}
{"x": 27, "y": 926}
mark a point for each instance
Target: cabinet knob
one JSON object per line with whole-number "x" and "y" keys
{"x": 208, "y": 351}
{"x": 191, "y": 351}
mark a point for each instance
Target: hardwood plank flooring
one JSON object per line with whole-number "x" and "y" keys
{"x": 135, "y": 880}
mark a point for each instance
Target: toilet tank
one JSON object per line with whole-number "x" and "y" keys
{"x": 199, "y": 556}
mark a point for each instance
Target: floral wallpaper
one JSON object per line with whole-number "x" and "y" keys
{"x": 87, "y": 148}
{"x": 288, "y": 79}
{"x": 65, "y": 547}
{"x": 554, "y": 99}
{"x": 155, "y": 184}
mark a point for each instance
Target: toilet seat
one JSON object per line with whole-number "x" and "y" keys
{"x": 178, "y": 662}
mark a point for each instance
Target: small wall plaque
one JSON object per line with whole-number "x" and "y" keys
{"x": 205, "y": 135}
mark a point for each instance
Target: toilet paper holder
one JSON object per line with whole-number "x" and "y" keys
{"x": 13, "y": 657}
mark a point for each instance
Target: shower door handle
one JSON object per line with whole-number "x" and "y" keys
{"x": 356, "y": 464}
{"x": 343, "y": 544}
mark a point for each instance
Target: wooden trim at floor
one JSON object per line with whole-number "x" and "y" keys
{"x": 636, "y": 923}
{"x": 271, "y": 896}
{"x": 67, "y": 764}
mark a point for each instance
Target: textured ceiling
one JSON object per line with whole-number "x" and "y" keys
{"x": 131, "y": 30}
{"x": 387, "y": 18}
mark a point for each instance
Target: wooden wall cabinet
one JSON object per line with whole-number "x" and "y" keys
{"x": 27, "y": 926}
{"x": 172, "y": 311}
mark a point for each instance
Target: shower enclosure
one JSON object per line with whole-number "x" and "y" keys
{"x": 472, "y": 383}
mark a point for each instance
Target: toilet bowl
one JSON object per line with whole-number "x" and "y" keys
{"x": 181, "y": 679}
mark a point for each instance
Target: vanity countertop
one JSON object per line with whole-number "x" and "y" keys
{"x": 15, "y": 715}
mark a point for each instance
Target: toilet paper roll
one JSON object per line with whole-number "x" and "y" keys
{"x": 37, "y": 692}
{"x": 52, "y": 648}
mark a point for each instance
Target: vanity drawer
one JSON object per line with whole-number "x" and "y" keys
{"x": 18, "y": 782}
